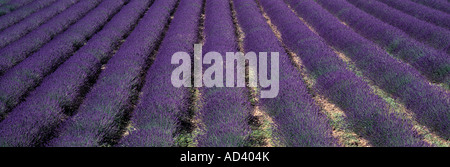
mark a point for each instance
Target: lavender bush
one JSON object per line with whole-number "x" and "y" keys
{"x": 368, "y": 113}
{"x": 225, "y": 110}
{"x": 421, "y": 12}
{"x": 44, "y": 107}
{"x": 427, "y": 33}
{"x": 20, "y": 29}
{"x": 441, "y": 5}
{"x": 298, "y": 120}
{"x": 63, "y": 87}
{"x": 429, "y": 103}
{"x": 20, "y": 49}
{"x": 99, "y": 118}
{"x": 22, "y": 13}
{"x": 431, "y": 63}
{"x": 161, "y": 106}
{"x": 12, "y": 5}
{"x": 30, "y": 72}
{"x": 100, "y": 72}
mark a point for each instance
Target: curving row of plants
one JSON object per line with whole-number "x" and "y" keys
{"x": 421, "y": 12}
{"x": 101, "y": 114}
{"x": 162, "y": 107}
{"x": 10, "y": 6}
{"x": 32, "y": 121}
{"x": 430, "y": 62}
{"x": 428, "y": 102}
{"x": 22, "y": 13}
{"x": 29, "y": 24}
{"x": 20, "y": 49}
{"x": 27, "y": 74}
{"x": 224, "y": 110}
{"x": 367, "y": 113}
{"x": 298, "y": 121}
{"x": 441, "y": 5}
{"x": 423, "y": 31}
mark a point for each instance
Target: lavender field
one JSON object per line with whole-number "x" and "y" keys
{"x": 97, "y": 73}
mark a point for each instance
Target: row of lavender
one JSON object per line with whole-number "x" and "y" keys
{"x": 163, "y": 107}
{"x": 22, "y": 13}
{"x": 157, "y": 115}
{"x": 100, "y": 117}
{"x": 225, "y": 110}
{"x": 31, "y": 123}
{"x": 32, "y": 22}
{"x": 6, "y": 2}
{"x": 429, "y": 103}
{"x": 368, "y": 114}
{"x": 422, "y": 31}
{"x": 442, "y": 5}
{"x": 28, "y": 73}
{"x": 421, "y": 12}
{"x": 7, "y": 7}
{"x": 20, "y": 49}
{"x": 431, "y": 63}
{"x": 298, "y": 120}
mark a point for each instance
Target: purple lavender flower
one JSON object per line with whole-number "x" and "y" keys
{"x": 427, "y": 33}
{"x": 99, "y": 118}
{"x": 22, "y": 13}
{"x": 299, "y": 121}
{"x": 12, "y": 5}
{"x": 441, "y": 5}
{"x": 367, "y": 112}
{"x": 429, "y": 103}
{"x": 156, "y": 117}
{"x": 31, "y": 122}
{"x": 225, "y": 110}
{"x": 26, "y": 45}
{"x": 421, "y": 12}
{"x": 431, "y": 63}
